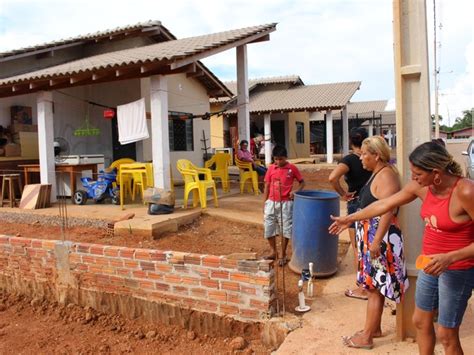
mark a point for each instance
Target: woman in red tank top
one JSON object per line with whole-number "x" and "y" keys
{"x": 446, "y": 283}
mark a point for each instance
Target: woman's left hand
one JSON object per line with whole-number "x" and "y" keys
{"x": 438, "y": 263}
{"x": 374, "y": 250}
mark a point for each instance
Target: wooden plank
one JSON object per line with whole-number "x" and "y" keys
{"x": 30, "y": 196}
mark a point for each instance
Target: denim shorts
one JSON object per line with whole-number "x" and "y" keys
{"x": 448, "y": 293}
{"x": 353, "y": 206}
{"x": 272, "y": 218}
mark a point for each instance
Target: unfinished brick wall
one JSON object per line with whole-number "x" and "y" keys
{"x": 241, "y": 289}
{"x": 316, "y": 177}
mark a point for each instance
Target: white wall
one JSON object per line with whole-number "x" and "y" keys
{"x": 184, "y": 95}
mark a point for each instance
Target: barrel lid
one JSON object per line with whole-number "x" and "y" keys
{"x": 317, "y": 194}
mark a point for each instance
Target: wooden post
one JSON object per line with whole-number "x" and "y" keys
{"x": 243, "y": 115}
{"x": 159, "y": 131}
{"x": 413, "y": 128}
{"x": 44, "y": 102}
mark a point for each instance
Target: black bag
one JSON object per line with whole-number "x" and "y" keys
{"x": 155, "y": 209}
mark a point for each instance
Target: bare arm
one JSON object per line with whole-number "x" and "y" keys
{"x": 300, "y": 187}
{"x": 439, "y": 262}
{"x": 409, "y": 193}
{"x": 386, "y": 185}
{"x": 335, "y": 177}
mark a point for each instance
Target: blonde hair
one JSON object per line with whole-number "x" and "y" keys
{"x": 378, "y": 145}
{"x": 431, "y": 155}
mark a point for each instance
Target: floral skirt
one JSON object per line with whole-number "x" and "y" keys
{"x": 387, "y": 273}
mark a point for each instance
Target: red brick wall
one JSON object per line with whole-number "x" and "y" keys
{"x": 242, "y": 289}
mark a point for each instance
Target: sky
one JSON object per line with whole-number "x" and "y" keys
{"x": 320, "y": 40}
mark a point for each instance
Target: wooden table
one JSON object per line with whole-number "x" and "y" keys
{"x": 73, "y": 170}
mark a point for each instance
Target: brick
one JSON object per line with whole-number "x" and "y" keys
{"x": 102, "y": 279}
{"x": 217, "y": 295}
{"x": 247, "y": 266}
{"x": 112, "y": 251}
{"x": 154, "y": 276}
{"x": 41, "y": 253}
{"x": 202, "y": 272}
{"x": 175, "y": 279}
{"x": 219, "y": 274}
{"x": 234, "y": 298}
{"x": 35, "y": 243}
{"x": 229, "y": 285}
{"x": 163, "y": 267}
{"x": 248, "y": 290}
{"x": 261, "y": 280}
{"x": 211, "y": 261}
{"x": 177, "y": 258}
{"x": 250, "y": 313}
{"x": 142, "y": 254}
{"x": 199, "y": 292}
{"x": 83, "y": 248}
{"x": 180, "y": 268}
{"x": 31, "y": 252}
{"x": 6, "y": 240}
{"x": 127, "y": 253}
{"x": 108, "y": 270}
{"x": 95, "y": 269}
{"x": 130, "y": 264}
{"x": 156, "y": 255}
{"x": 259, "y": 304}
{"x": 190, "y": 280}
{"x": 88, "y": 259}
{"x": 192, "y": 259}
{"x": 82, "y": 267}
{"x": 206, "y": 306}
{"x": 139, "y": 274}
{"x": 74, "y": 258}
{"x": 123, "y": 272}
{"x": 145, "y": 265}
{"x": 228, "y": 309}
{"x": 229, "y": 263}
{"x": 161, "y": 286}
{"x": 237, "y": 276}
{"x": 18, "y": 241}
{"x": 116, "y": 263}
{"x": 115, "y": 280}
{"x": 146, "y": 284}
{"x": 180, "y": 289}
{"x": 102, "y": 261}
{"x": 97, "y": 250}
{"x": 210, "y": 283}
{"x": 131, "y": 283}
{"x": 265, "y": 265}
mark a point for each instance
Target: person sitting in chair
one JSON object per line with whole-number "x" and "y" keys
{"x": 244, "y": 154}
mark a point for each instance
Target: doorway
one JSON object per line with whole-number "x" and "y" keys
{"x": 118, "y": 150}
{"x": 278, "y": 132}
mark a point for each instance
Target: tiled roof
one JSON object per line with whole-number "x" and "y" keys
{"x": 164, "y": 51}
{"x": 364, "y": 108}
{"x": 303, "y": 98}
{"x": 87, "y": 37}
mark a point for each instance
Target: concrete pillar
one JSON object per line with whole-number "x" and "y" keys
{"x": 389, "y": 136}
{"x": 413, "y": 128}
{"x": 345, "y": 132}
{"x": 159, "y": 131}
{"x": 329, "y": 137}
{"x": 243, "y": 115}
{"x": 44, "y": 102}
{"x": 267, "y": 130}
{"x": 371, "y": 127}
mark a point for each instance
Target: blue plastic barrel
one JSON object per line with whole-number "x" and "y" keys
{"x": 311, "y": 241}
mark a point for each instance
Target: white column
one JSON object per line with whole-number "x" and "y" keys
{"x": 345, "y": 132}
{"x": 243, "y": 116}
{"x": 44, "y": 102}
{"x": 267, "y": 130}
{"x": 371, "y": 128}
{"x": 329, "y": 137}
{"x": 159, "y": 131}
{"x": 389, "y": 136}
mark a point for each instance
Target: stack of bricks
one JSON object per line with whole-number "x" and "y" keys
{"x": 243, "y": 289}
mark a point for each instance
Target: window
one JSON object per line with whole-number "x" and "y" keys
{"x": 180, "y": 127}
{"x": 299, "y": 132}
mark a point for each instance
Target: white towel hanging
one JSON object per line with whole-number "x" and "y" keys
{"x": 131, "y": 122}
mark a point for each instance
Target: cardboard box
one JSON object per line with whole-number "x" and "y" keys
{"x": 20, "y": 127}
{"x": 12, "y": 150}
{"x": 29, "y": 144}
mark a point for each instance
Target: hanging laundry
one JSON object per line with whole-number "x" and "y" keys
{"x": 131, "y": 122}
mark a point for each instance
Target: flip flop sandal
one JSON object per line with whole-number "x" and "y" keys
{"x": 347, "y": 341}
{"x": 352, "y": 294}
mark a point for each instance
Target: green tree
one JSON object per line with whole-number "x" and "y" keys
{"x": 464, "y": 121}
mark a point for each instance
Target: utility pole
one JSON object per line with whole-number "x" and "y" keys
{"x": 436, "y": 74}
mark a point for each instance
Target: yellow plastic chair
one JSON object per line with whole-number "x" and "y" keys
{"x": 127, "y": 181}
{"x": 142, "y": 178}
{"x": 190, "y": 174}
{"x": 247, "y": 172}
{"x": 133, "y": 171}
{"x": 221, "y": 171}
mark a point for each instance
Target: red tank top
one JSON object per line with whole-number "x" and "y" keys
{"x": 442, "y": 234}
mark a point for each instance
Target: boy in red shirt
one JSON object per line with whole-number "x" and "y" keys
{"x": 279, "y": 178}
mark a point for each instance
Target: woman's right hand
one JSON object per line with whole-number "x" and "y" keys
{"x": 348, "y": 196}
{"x": 339, "y": 224}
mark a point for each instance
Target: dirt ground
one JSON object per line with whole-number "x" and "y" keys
{"x": 206, "y": 235}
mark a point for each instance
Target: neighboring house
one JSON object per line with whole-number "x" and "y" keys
{"x": 281, "y": 109}
{"x": 461, "y": 133}
{"x": 68, "y": 80}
